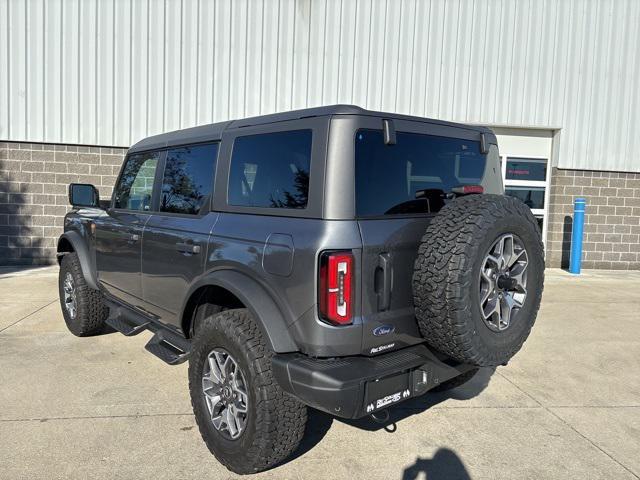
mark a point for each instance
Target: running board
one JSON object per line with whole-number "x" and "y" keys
{"x": 128, "y": 321}
{"x": 126, "y": 326}
{"x": 168, "y": 347}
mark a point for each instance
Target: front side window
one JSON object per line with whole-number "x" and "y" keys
{"x": 188, "y": 178}
{"x": 135, "y": 187}
{"x": 414, "y": 175}
{"x": 271, "y": 170}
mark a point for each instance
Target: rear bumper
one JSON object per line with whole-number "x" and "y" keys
{"x": 353, "y": 387}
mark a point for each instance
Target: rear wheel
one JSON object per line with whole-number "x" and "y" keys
{"x": 247, "y": 421}
{"x": 83, "y": 308}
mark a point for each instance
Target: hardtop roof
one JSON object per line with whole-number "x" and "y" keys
{"x": 213, "y": 132}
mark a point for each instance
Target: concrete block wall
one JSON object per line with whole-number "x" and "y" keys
{"x": 33, "y": 194}
{"x": 33, "y": 201}
{"x": 612, "y": 220}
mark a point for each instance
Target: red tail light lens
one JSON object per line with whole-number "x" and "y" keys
{"x": 467, "y": 189}
{"x": 336, "y": 287}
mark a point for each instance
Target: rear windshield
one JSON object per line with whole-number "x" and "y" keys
{"x": 413, "y": 175}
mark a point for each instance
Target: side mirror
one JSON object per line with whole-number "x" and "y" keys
{"x": 84, "y": 195}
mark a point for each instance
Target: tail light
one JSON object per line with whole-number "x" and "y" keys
{"x": 467, "y": 189}
{"x": 336, "y": 287}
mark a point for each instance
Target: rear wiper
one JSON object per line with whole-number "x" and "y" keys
{"x": 430, "y": 193}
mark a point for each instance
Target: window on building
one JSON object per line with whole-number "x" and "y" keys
{"x": 135, "y": 187}
{"x": 412, "y": 175}
{"x": 532, "y": 197}
{"x": 271, "y": 170}
{"x": 526, "y": 169}
{"x": 527, "y": 179}
{"x": 188, "y": 178}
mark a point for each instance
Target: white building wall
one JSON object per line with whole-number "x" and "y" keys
{"x": 109, "y": 72}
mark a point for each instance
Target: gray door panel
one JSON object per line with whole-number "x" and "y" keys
{"x": 119, "y": 232}
{"x": 174, "y": 254}
{"x": 118, "y": 253}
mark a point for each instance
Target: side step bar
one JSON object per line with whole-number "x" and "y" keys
{"x": 168, "y": 346}
{"x": 126, "y": 326}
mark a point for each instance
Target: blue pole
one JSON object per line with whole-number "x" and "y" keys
{"x": 576, "y": 236}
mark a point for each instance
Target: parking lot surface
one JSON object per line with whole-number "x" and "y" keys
{"x": 567, "y": 406}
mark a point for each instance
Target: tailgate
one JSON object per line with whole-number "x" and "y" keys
{"x": 390, "y": 248}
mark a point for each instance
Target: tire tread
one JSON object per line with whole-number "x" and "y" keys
{"x": 442, "y": 276}
{"x": 91, "y": 311}
{"x": 280, "y": 418}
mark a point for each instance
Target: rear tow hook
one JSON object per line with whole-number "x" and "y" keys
{"x": 382, "y": 417}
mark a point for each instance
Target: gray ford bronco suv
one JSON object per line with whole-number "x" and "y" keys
{"x": 332, "y": 257}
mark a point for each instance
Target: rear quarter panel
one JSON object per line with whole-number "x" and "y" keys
{"x": 240, "y": 242}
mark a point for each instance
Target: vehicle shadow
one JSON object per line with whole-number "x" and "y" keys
{"x": 445, "y": 465}
{"x": 319, "y": 422}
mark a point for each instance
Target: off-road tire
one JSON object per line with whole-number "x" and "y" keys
{"x": 91, "y": 312}
{"x": 446, "y": 278}
{"x": 455, "y": 382}
{"x": 275, "y": 420}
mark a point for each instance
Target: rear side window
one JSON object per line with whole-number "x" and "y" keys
{"x": 271, "y": 170}
{"x": 135, "y": 186}
{"x": 413, "y": 175}
{"x": 188, "y": 178}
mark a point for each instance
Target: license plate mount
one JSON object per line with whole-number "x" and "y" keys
{"x": 384, "y": 392}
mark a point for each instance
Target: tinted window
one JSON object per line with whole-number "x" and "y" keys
{"x": 271, "y": 170}
{"x": 188, "y": 178}
{"x": 135, "y": 188}
{"x": 413, "y": 175}
{"x": 524, "y": 169}
{"x": 533, "y": 197}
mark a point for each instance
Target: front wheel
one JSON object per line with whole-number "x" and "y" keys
{"x": 247, "y": 421}
{"x": 83, "y": 308}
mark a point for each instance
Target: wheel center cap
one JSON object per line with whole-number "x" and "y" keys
{"x": 504, "y": 282}
{"x": 226, "y": 392}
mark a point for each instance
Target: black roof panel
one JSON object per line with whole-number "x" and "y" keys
{"x": 213, "y": 132}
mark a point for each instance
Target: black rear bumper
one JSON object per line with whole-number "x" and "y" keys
{"x": 353, "y": 387}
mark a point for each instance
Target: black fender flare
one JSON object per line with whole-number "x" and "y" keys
{"x": 260, "y": 303}
{"x": 81, "y": 249}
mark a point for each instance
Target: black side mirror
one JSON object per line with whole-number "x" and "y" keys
{"x": 84, "y": 195}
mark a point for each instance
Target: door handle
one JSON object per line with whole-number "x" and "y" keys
{"x": 383, "y": 281}
{"x": 185, "y": 247}
{"x": 133, "y": 237}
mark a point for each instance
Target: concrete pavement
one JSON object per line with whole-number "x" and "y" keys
{"x": 567, "y": 406}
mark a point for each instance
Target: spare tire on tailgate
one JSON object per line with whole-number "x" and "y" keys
{"x": 478, "y": 279}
